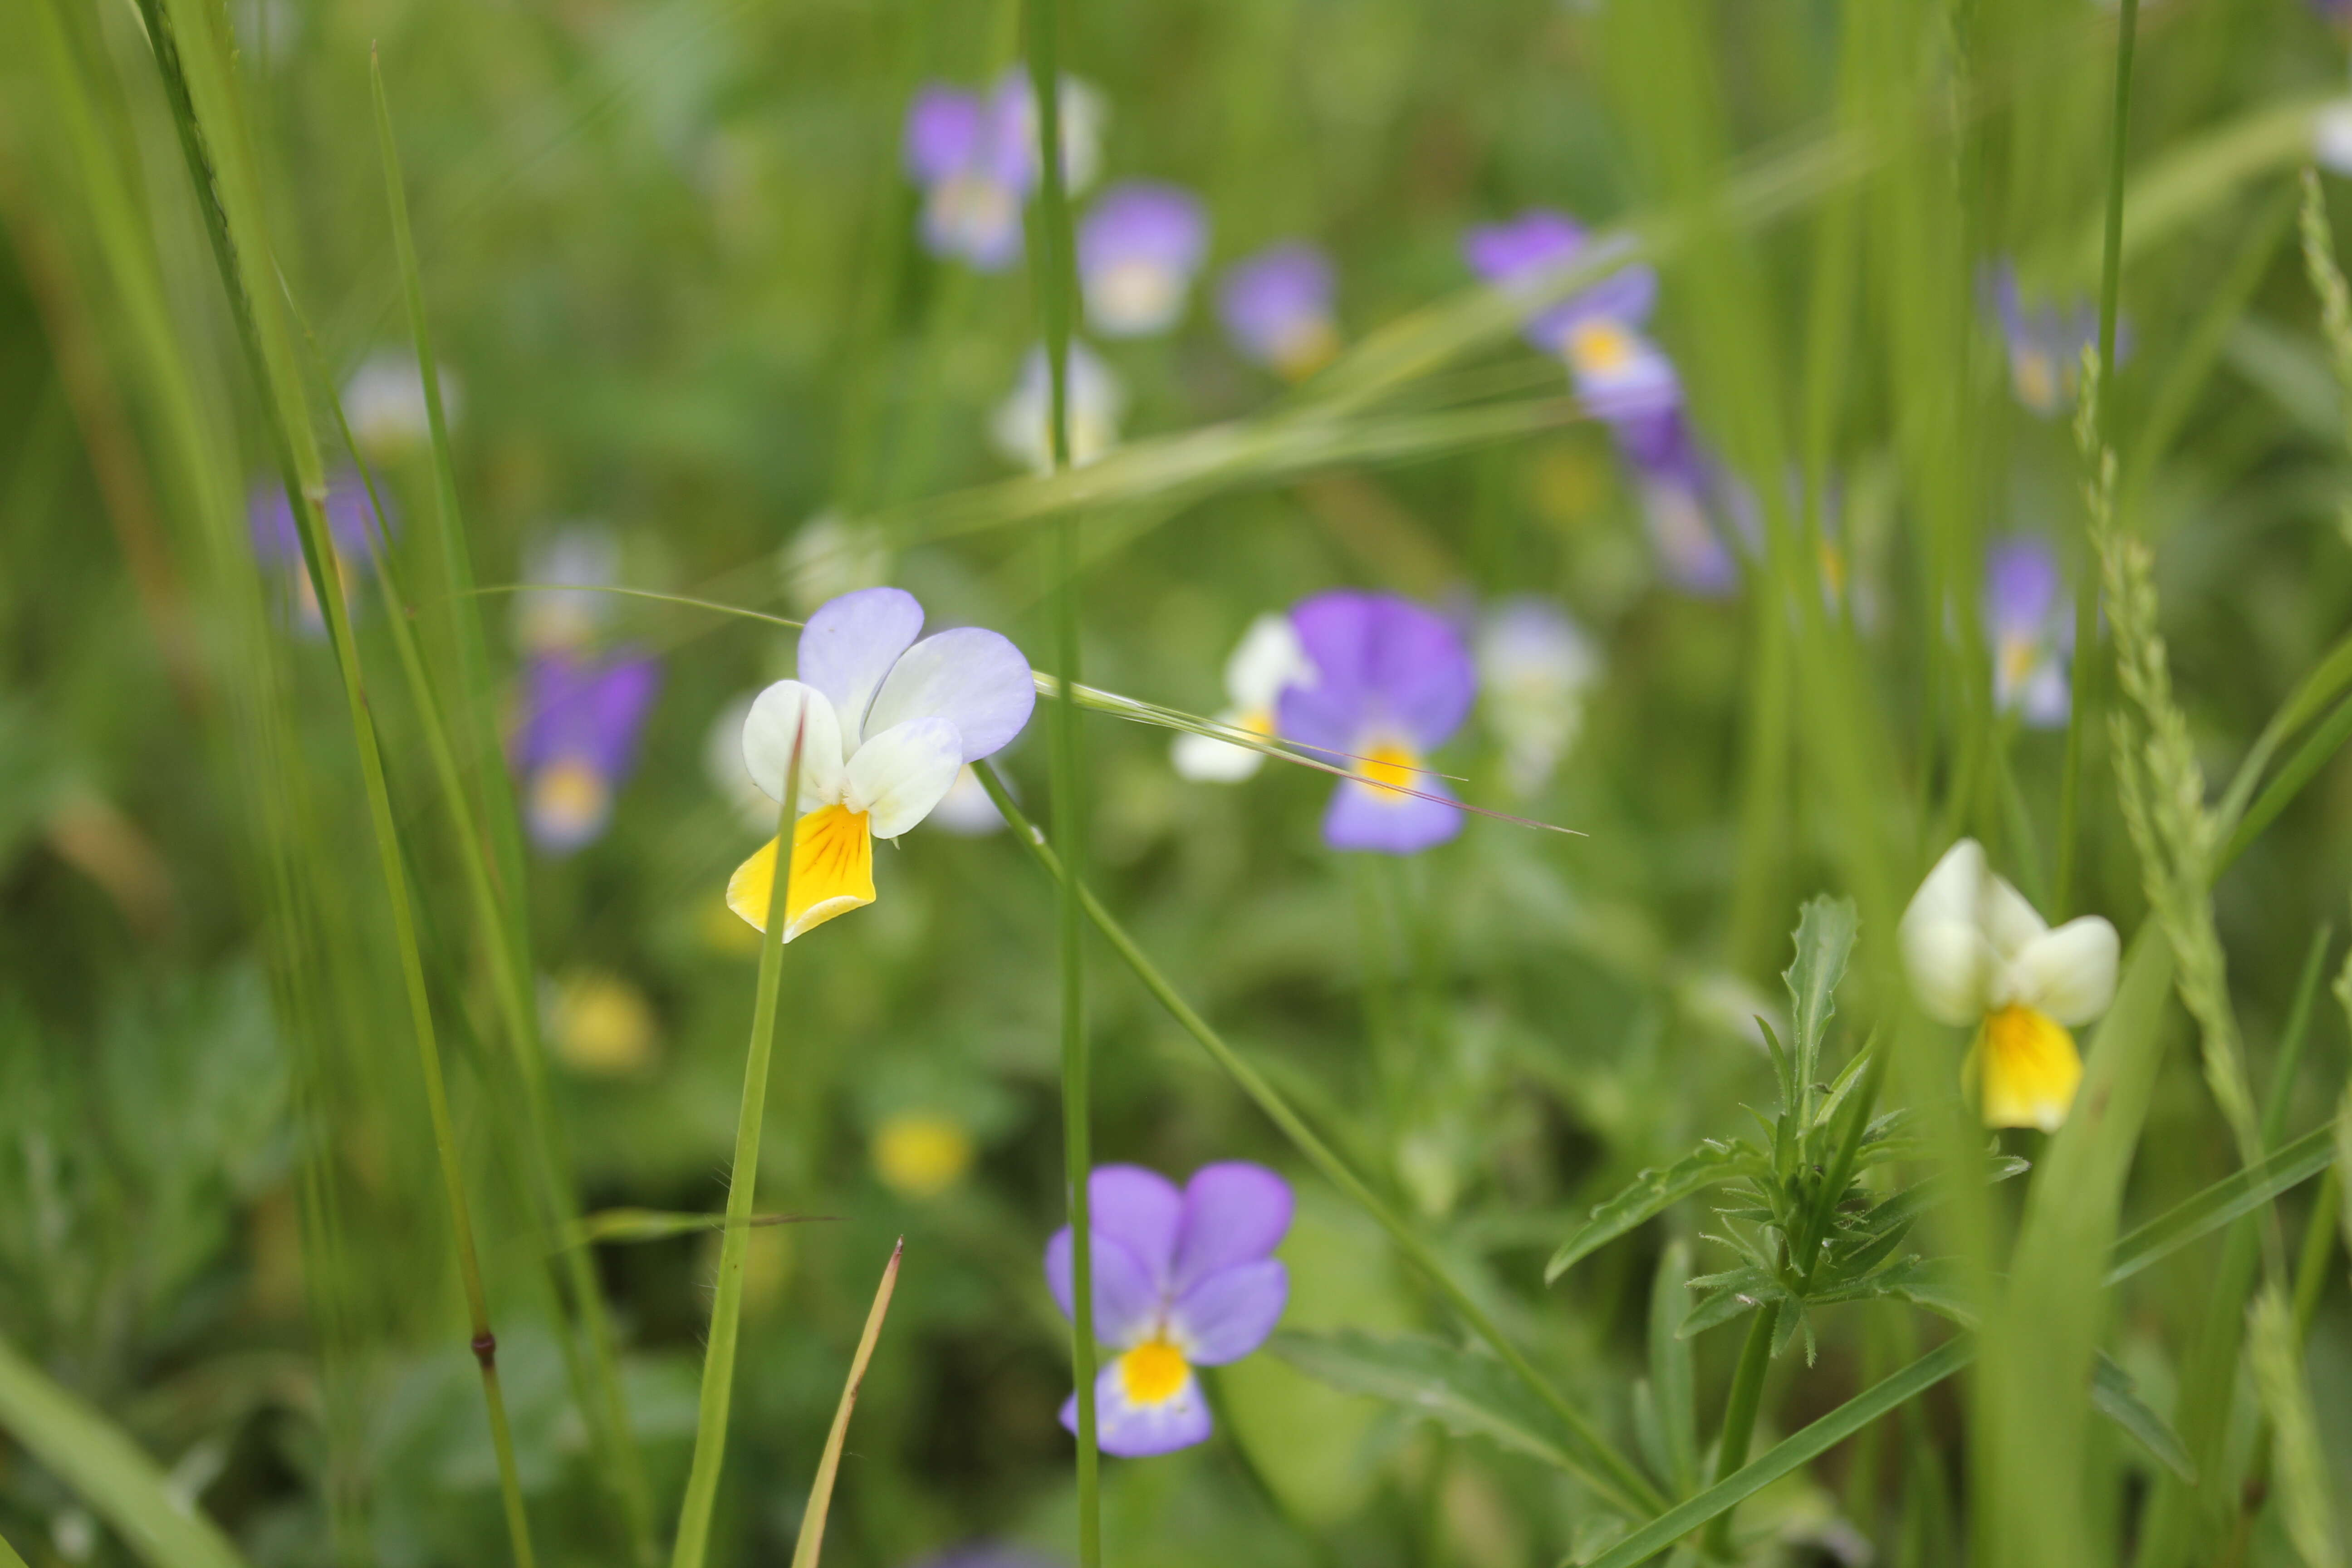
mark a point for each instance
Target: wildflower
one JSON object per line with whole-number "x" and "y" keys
{"x": 354, "y": 535}
{"x": 568, "y": 612}
{"x": 384, "y": 402}
{"x": 1535, "y": 666}
{"x": 974, "y": 168}
{"x": 1682, "y": 493}
{"x": 1391, "y": 683}
{"x": 723, "y": 763}
{"x": 1138, "y": 250}
{"x": 578, "y": 741}
{"x": 1268, "y": 660}
{"x": 1182, "y": 1280}
{"x": 1978, "y": 954}
{"x": 2045, "y": 342}
{"x": 1085, "y": 115}
{"x": 1276, "y": 307}
{"x": 1097, "y": 400}
{"x": 830, "y": 556}
{"x": 966, "y": 810}
{"x": 2032, "y": 629}
{"x": 981, "y": 1556}
{"x": 1619, "y": 373}
{"x": 920, "y": 1154}
{"x": 883, "y": 722}
{"x": 2331, "y": 137}
{"x": 601, "y": 1024}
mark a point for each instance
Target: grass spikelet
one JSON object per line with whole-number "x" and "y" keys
{"x": 2304, "y": 1486}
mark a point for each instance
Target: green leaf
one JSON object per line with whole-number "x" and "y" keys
{"x": 2115, "y": 1396}
{"x": 1673, "y": 1376}
{"x": 1732, "y": 1293}
{"x": 1824, "y": 941}
{"x": 1709, "y": 1164}
{"x": 2220, "y": 1203}
{"x": 1470, "y": 1395}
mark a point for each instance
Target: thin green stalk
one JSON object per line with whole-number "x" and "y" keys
{"x": 203, "y": 109}
{"x": 727, "y": 1308}
{"x": 1607, "y": 1471}
{"x": 1054, "y": 273}
{"x": 1739, "y": 1412}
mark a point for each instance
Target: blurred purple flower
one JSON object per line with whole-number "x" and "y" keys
{"x": 2045, "y": 341}
{"x": 983, "y": 1555}
{"x": 1182, "y": 1280}
{"x": 1390, "y": 682}
{"x": 1276, "y": 306}
{"x": 1685, "y": 500}
{"x": 968, "y": 158}
{"x": 351, "y": 534}
{"x": 1619, "y": 371}
{"x": 577, "y": 740}
{"x": 2030, "y": 626}
{"x": 1139, "y": 248}
{"x": 1085, "y": 113}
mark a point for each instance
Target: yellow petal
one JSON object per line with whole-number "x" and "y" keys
{"x": 2025, "y": 1069}
{"x": 832, "y": 872}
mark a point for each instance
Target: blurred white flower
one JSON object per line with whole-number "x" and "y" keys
{"x": 585, "y": 557}
{"x": 1535, "y": 667}
{"x": 384, "y": 402}
{"x": 2331, "y": 137}
{"x": 830, "y": 556}
{"x": 966, "y": 810}
{"x": 723, "y": 760}
{"x": 1267, "y": 659}
{"x": 1097, "y": 400}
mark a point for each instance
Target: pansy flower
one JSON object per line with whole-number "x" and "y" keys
{"x": 830, "y": 556}
{"x": 1391, "y": 682}
{"x": 1182, "y": 1280}
{"x": 1979, "y": 956}
{"x": 2031, "y": 628}
{"x": 1139, "y": 246}
{"x": 384, "y": 403}
{"x": 974, "y": 168}
{"x": 2331, "y": 137}
{"x": 601, "y": 1024}
{"x": 1685, "y": 497}
{"x": 967, "y": 810}
{"x": 577, "y": 741}
{"x": 1085, "y": 115}
{"x": 982, "y": 1556}
{"x": 2044, "y": 340}
{"x": 1619, "y": 371}
{"x": 352, "y": 538}
{"x": 883, "y": 722}
{"x": 1535, "y": 666}
{"x": 1276, "y": 307}
{"x": 1097, "y": 400}
{"x": 1268, "y": 660}
{"x": 566, "y": 610}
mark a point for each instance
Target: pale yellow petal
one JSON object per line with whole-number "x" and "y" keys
{"x": 833, "y": 873}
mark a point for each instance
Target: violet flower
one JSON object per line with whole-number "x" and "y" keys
{"x": 1619, "y": 371}
{"x": 1139, "y": 248}
{"x": 577, "y": 741}
{"x": 1686, "y": 498}
{"x": 565, "y": 609}
{"x": 1097, "y": 400}
{"x": 2045, "y": 341}
{"x": 1276, "y": 307}
{"x": 1085, "y": 115}
{"x": 2030, "y": 626}
{"x": 975, "y": 172}
{"x": 1182, "y": 1280}
{"x": 384, "y": 403}
{"x": 1391, "y": 683}
{"x": 353, "y": 536}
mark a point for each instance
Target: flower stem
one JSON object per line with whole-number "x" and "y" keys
{"x": 727, "y": 1308}
{"x": 1600, "y": 1466}
{"x": 1739, "y": 1413}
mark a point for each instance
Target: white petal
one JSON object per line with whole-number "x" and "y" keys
{"x": 2008, "y": 922}
{"x": 902, "y": 773}
{"x": 1268, "y": 660}
{"x": 1205, "y": 759}
{"x": 2069, "y": 973}
{"x": 776, "y": 713}
{"x": 848, "y": 647}
{"x": 1951, "y": 967}
{"x": 1951, "y": 890}
{"x": 975, "y": 680}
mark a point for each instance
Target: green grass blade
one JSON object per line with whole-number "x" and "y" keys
{"x": 2227, "y": 1199}
{"x": 812, "y": 1536}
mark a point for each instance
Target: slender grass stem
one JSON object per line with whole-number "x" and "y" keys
{"x": 811, "y": 1542}
{"x": 1054, "y": 266}
{"x": 1605, "y": 1470}
{"x": 1739, "y": 1412}
{"x": 727, "y": 1308}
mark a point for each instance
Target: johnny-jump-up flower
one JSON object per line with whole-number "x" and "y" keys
{"x": 2031, "y": 627}
{"x": 1535, "y": 666}
{"x": 974, "y": 167}
{"x": 1267, "y": 659}
{"x": 1182, "y": 1280}
{"x": 2045, "y": 342}
{"x": 385, "y": 403}
{"x": 1139, "y": 248}
{"x": 581, "y": 717}
{"x": 1979, "y": 955}
{"x": 1619, "y": 373}
{"x": 1085, "y": 115}
{"x": 566, "y": 611}
{"x": 884, "y": 723}
{"x": 1391, "y": 683}
{"x": 1276, "y": 307}
{"x": 1097, "y": 400}
{"x": 1684, "y": 494}
{"x": 354, "y": 535}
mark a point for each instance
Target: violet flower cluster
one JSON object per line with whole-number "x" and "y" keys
{"x": 2030, "y": 626}
{"x": 1276, "y": 307}
{"x": 974, "y": 156}
{"x": 354, "y": 536}
{"x": 583, "y": 707}
{"x": 2045, "y": 341}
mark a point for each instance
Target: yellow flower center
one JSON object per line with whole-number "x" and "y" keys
{"x": 569, "y": 799}
{"x": 1394, "y": 767}
{"x": 2025, "y": 1068}
{"x": 1304, "y": 349}
{"x": 1153, "y": 1373}
{"x": 920, "y": 1154}
{"x": 2020, "y": 654}
{"x": 1258, "y": 721}
{"x": 2037, "y": 378}
{"x": 832, "y": 872}
{"x": 1600, "y": 347}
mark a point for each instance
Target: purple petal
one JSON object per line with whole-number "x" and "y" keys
{"x": 974, "y": 678}
{"x": 849, "y": 644}
{"x": 1128, "y": 1292}
{"x": 1229, "y": 1313}
{"x": 587, "y": 709}
{"x": 275, "y": 538}
{"x": 1536, "y": 239}
{"x": 1134, "y": 1431}
{"x": 1144, "y": 220}
{"x": 1271, "y": 301}
{"x": 948, "y": 132}
{"x": 1402, "y": 667}
{"x": 2022, "y": 585}
{"x": 1366, "y": 816}
{"x": 1235, "y": 1212}
{"x": 350, "y": 519}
